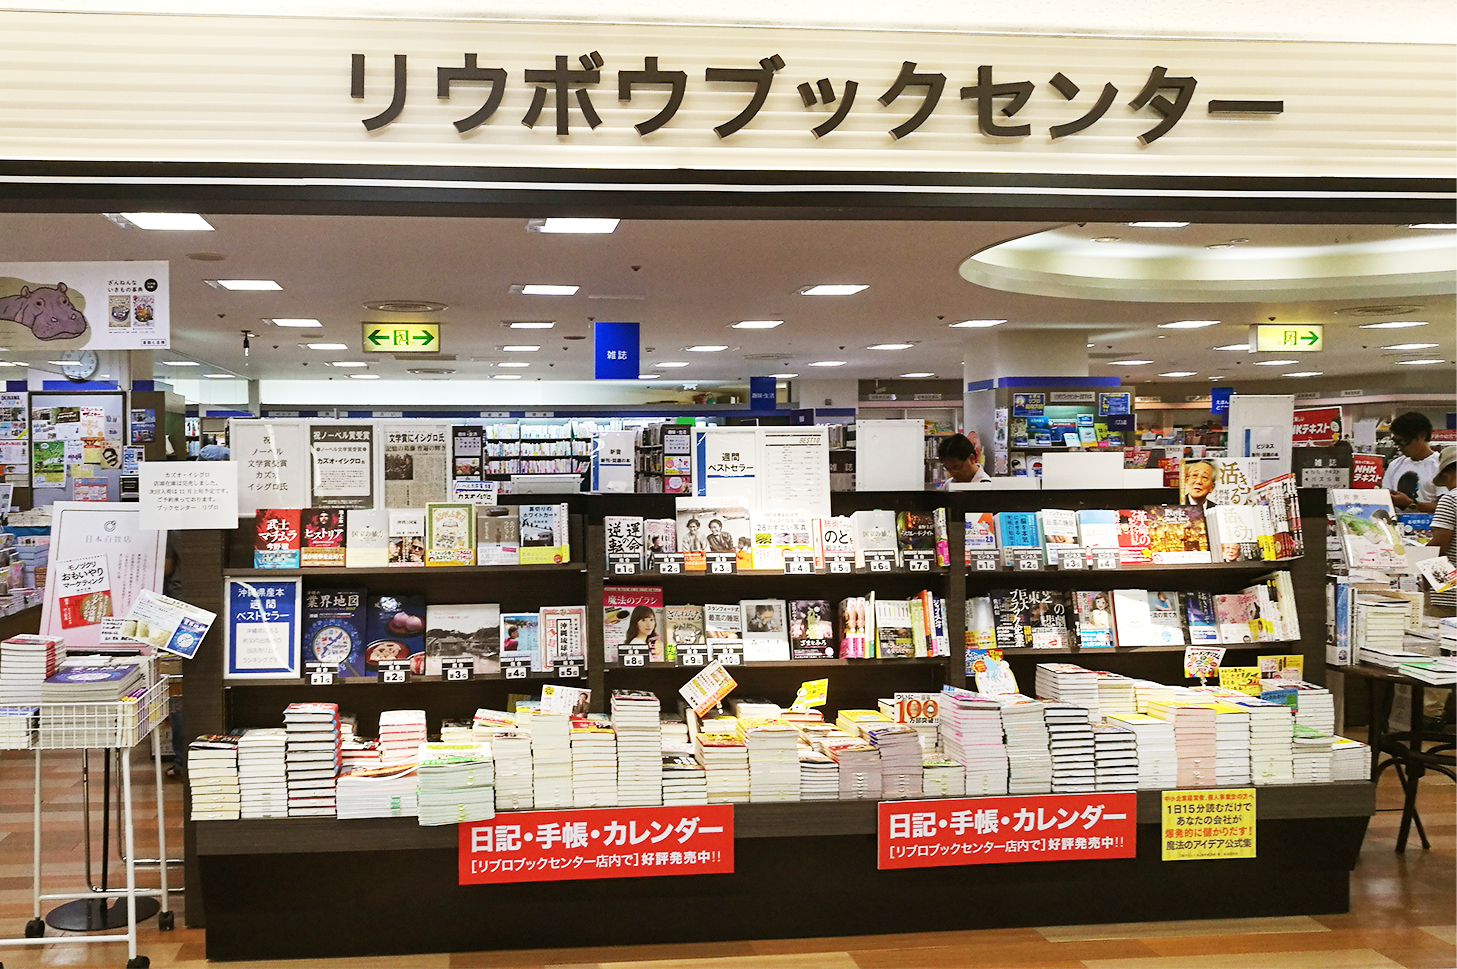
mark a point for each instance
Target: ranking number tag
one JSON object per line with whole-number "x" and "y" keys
{"x": 321, "y": 674}
{"x": 1106, "y": 559}
{"x": 880, "y": 561}
{"x": 917, "y": 559}
{"x": 623, "y": 564}
{"x": 693, "y": 655}
{"x": 394, "y": 670}
{"x": 1027, "y": 561}
{"x": 458, "y": 670}
{"x": 670, "y": 564}
{"x": 569, "y": 669}
{"x": 722, "y": 563}
{"x": 728, "y": 655}
{"x": 515, "y": 667}
{"x": 1075, "y": 559}
{"x": 799, "y": 565}
{"x": 984, "y": 561}
{"x": 635, "y": 656}
{"x": 840, "y": 564}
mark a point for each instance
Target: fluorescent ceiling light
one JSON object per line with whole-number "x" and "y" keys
{"x": 1159, "y": 225}
{"x": 544, "y": 289}
{"x": 1090, "y": 346}
{"x": 1418, "y": 363}
{"x": 757, "y": 324}
{"x": 1107, "y": 239}
{"x": 296, "y": 321}
{"x": 573, "y": 226}
{"x": 828, "y": 363}
{"x": 784, "y": 376}
{"x": 244, "y": 285}
{"x": 63, "y": 363}
{"x": 833, "y": 289}
{"x": 505, "y": 376}
{"x": 705, "y": 348}
{"x": 1235, "y": 346}
{"x": 168, "y": 221}
{"x": 179, "y": 363}
{"x": 513, "y": 363}
{"x": 1304, "y": 373}
{"x": 348, "y": 363}
{"x": 891, "y": 346}
{"x": 222, "y": 376}
{"x": 327, "y": 346}
{"x": 978, "y": 324}
{"x": 1393, "y": 325}
{"x": 1274, "y": 363}
{"x": 1219, "y": 377}
{"x": 1410, "y": 346}
{"x": 533, "y": 324}
{"x": 918, "y": 374}
{"x": 649, "y": 376}
{"x": 1128, "y": 363}
{"x": 1188, "y": 324}
{"x": 669, "y": 364}
{"x": 1433, "y": 225}
{"x": 1180, "y": 373}
{"x": 364, "y": 376}
{"x": 521, "y": 348}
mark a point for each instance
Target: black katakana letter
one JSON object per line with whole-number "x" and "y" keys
{"x": 445, "y": 76}
{"x": 560, "y": 78}
{"x": 827, "y": 95}
{"x": 356, "y": 90}
{"x": 1069, "y": 90}
{"x": 983, "y": 93}
{"x": 761, "y": 79}
{"x": 934, "y": 85}
{"x": 1171, "y": 111}
{"x": 651, "y": 75}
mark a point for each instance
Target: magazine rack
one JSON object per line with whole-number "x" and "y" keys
{"x": 111, "y": 726}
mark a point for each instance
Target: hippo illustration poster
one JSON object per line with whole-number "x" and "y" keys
{"x": 96, "y": 305}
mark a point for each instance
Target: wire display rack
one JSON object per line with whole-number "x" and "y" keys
{"x": 113, "y": 725}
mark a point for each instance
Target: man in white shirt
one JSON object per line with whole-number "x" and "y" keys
{"x": 958, "y": 456}
{"x": 1409, "y": 475}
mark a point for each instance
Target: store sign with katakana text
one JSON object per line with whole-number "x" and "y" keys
{"x": 996, "y": 830}
{"x": 538, "y": 846}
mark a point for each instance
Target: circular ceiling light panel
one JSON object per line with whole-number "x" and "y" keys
{"x": 405, "y": 306}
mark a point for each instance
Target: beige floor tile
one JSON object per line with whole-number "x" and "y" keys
{"x": 1154, "y": 930}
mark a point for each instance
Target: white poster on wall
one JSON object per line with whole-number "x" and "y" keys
{"x": 416, "y": 464}
{"x": 1260, "y": 426}
{"x": 890, "y": 455}
{"x": 795, "y": 470}
{"x": 134, "y": 561}
{"x": 272, "y": 459}
{"x": 191, "y": 494}
{"x": 725, "y": 463}
{"x": 97, "y": 305}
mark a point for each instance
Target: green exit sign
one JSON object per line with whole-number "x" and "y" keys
{"x": 401, "y": 338}
{"x": 1281, "y": 337}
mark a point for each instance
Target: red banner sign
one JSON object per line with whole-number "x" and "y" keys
{"x": 1317, "y": 426}
{"x": 1366, "y": 471}
{"x": 538, "y": 846}
{"x": 994, "y": 830}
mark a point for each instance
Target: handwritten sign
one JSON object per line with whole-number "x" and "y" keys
{"x": 197, "y": 494}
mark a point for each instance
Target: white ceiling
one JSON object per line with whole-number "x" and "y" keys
{"x": 686, "y": 281}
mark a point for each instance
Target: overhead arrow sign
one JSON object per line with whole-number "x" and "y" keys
{"x": 1287, "y": 337}
{"x": 400, "y": 338}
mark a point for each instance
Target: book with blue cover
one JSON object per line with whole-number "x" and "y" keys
{"x": 334, "y": 624}
{"x": 1199, "y": 611}
{"x": 1019, "y": 529}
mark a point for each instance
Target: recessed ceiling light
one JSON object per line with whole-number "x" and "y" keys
{"x": 1220, "y": 245}
{"x": 1179, "y": 373}
{"x": 833, "y": 289}
{"x": 977, "y": 324}
{"x": 781, "y": 386}
{"x": 1187, "y": 324}
{"x": 1393, "y": 325}
{"x": 244, "y": 285}
{"x": 505, "y": 376}
{"x": 348, "y": 363}
{"x": 1090, "y": 346}
{"x": 574, "y": 226}
{"x": 784, "y": 376}
{"x": 757, "y": 324}
{"x": 828, "y": 363}
{"x": 671, "y": 364}
{"x": 1235, "y": 346}
{"x": 1418, "y": 363}
{"x": 167, "y": 221}
{"x": 179, "y": 363}
{"x": 327, "y": 346}
{"x": 544, "y": 289}
{"x": 1304, "y": 373}
{"x": 1128, "y": 363}
{"x": 1159, "y": 225}
{"x": 1217, "y": 377}
{"x": 221, "y": 376}
{"x": 1274, "y": 363}
{"x": 67, "y": 363}
{"x": 918, "y": 374}
{"x": 531, "y": 324}
{"x": 649, "y": 376}
{"x": 513, "y": 364}
{"x": 1449, "y": 226}
{"x": 521, "y": 348}
{"x": 1107, "y": 239}
{"x": 1410, "y": 346}
{"x": 364, "y": 376}
{"x": 295, "y": 321}
{"x": 705, "y": 348}
{"x": 891, "y": 346}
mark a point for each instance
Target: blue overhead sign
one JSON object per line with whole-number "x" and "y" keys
{"x": 1219, "y": 400}
{"x": 615, "y": 349}
{"x": 763, "y": 393}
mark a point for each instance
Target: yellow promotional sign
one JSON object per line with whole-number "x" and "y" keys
{"x": 1245, "y": 679}
{"x": 401, "y": 338}
{"x": 812, "y": 693}
{"x": 1282, "y": 337}
{"x": 1207, "y": 824}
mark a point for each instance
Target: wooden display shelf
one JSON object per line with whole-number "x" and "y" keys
{"x": 1221, "y": 568}
{"x": 442, "y": 570}
{"x": 784, "y": 664}
{"x": 771, "y": 574}
{"x": 373, "y": 680}
{"x": 1135, "y": 650}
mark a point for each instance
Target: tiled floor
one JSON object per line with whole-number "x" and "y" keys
{"x": 1404, "y": 911}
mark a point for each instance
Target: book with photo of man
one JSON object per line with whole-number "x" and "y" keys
{"x": 707, "y": 525}
{"x": 766, "y": 630}
{"x": 1218, "y": 481}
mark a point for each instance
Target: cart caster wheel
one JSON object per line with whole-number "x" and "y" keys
{"x": 140, "y": 962}
{"x": 165, "y": 922}
{"x": 34, "y": 929}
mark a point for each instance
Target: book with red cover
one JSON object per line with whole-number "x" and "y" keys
{"x": 277, "y": 538}
{"x": 322, "y": 537}
{"x": 1134, "y": 539}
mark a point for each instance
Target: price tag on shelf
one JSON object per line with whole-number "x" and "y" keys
{"x": 839, "y": 564}
{"x": 880, "y": 561}
{"x": 1074, "y": 559}
{"x": 634, "y": 656}
{"x": 670, "y": 563}
{"x": 394, "y": 670}
{"x": 730, "y": 655}
{"x": 722, "y": 563}
{"x": 984, "y": 562}
{"x": 1026, "y": 560}
{"x": 799, "y": 564}
{"x": 623, "y": 565}
{"x": 458, "y": 670}
{"x": 694, "y": 655}
{"x": 321, "y": 674}
{"x": 515, "y": 667}
{"x": 1106, "y": 558}
{"x": 918, "y": 559}
{"x": 570, "y": 669}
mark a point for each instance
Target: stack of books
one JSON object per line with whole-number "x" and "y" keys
{"x": 1068, "y": 683}
{"x": 1070, "y": 740}
{"x": 1158, "y": 764}
{"x": 1272, "y": 731}
{"x": 636, "y": 716}
{"x": 594, "y": 763}
{"x": 25, "y": 663}
{"x": 1350, "y": 760}
{"x": 857, "y": 722}
{"x": 262, "y": 773}
{"x": 941, "y": 776}
{"x": 971, "y": 733}
{"x": 1378, "y": 629}
{"x": 514, "y": 787}
{"x": 674, "y": 730}
{"x": 1115, "y": 755}
{"x": 1436, "y": 670}
{"x": 1029, "y": 758}
{"x": 212, "y": 777}
{"x": 773, "y": 759}
{"x": 1314, "y": 706}
{"x": 313, "y": 758}
{"x": 401, "y": 732}
{"x": 1231, "y": 744}
{"x": 1310, "y": 751}
{"x": 18, "y": 726}
{"x": 859, "y": 766}
{"x": 457, "y": 732}
{"x": 456, "y": 783}
{"x": 684, "y": 780}
{"x": 900, "y": 759}
{"x": 1116, "y": 695}
{"x": 928, "y": 733}
{"x": 819, "y": 775}
{"x": 551, "y": 760}
{"x": 90, "y": 684}
{"x": 387, "y": 791}
{"x": 1194, "y": 739}
{"x": 487, "y": 723}
{"x": 725, "y": 762}
{"x": 357, "y": 753}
